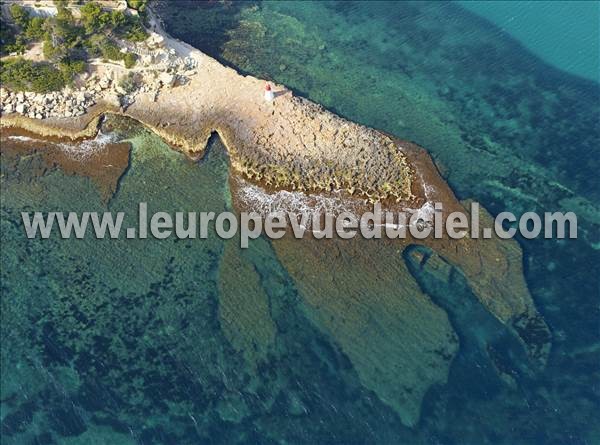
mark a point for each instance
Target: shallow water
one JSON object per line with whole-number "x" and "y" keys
{"x": 129, "y": 341}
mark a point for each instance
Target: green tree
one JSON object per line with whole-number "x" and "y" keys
{"x": 19, "y": 74}
{"x": 19, "y": 14}
{"x": 17, "y": 46}
{"x": 64, "y": 30}
{"x": 111, "y": 51}
{"x": 35, "y": 29}
{"x": 94, "y": 43}
{"x": 90, "y": 17}
{"x": 118, "y": 19}
{"x": 10, "y": 40}
{"x": 70, "y": 68}
{"x": 105, "y": 20}
{"x": 64, "y": 14}
{"x": 136, "y": 33}
{"x": 54, "y": 50}
{"x": 129, "y": 59}
{"x": 139, "y": 5}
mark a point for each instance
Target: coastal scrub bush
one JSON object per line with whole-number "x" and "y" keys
{"x": 35, "y": 29}
{"x": 10, "y": 41}
{"x": 118, "y": 19}
{"x": 70, "y": 68}
{"x": 95, "y": 20}
{"x": 128, "y": 83}
{"x": 90, "y": 17}
{"x": 110, "y": 51}
{"x": 136, "y": 32}
{"x": 19, "y": 15}
{"x": 64, "y": 31}
{"x": 129, "y": 59}
{"x": 94, "y": 43}
{"x": 18, "y": 47}
{"x": 64, "y": 14}
{"x": 19, "y": 74}
{"x": 139, "y": 5}
{"x": 53, "y": 52}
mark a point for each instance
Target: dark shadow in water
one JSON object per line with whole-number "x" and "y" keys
{"x": 490, "y": 355}
{"x": 215, "y": 151}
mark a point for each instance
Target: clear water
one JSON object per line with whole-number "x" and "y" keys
{"x": 564, "y": 34}
{"x": 124, "y": 342}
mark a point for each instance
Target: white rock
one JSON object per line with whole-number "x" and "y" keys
{"x": 112, "y": 99}
{"x": 167, "y": 79}
{"x": 20, "y": 108}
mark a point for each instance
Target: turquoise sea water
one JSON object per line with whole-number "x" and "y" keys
{"x": 564, "y": 34}
{"x": 126, "y": 341}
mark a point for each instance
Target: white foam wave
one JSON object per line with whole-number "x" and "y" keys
{"x": 83, "y": 150}
{"x": 262, "y": 202}
{"x": 78, "y": 151}
{"x": 22, "y": 139}
{"x": 295, "y": 203}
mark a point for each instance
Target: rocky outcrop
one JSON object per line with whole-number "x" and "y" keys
{"x": 289, "y": 143}
{"x": 67, "y": 103}
{"x": 365, "y": 296}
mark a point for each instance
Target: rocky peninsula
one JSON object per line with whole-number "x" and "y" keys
{"x": 185, "y": 96}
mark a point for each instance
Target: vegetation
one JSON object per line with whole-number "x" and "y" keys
{"x": 128, "y": 83}
{"x": 110, "y": 51}
{"x": 24, "y": 75}
{"x": 67, "y": 42}
{"x": 35, "y": 29}
{"x": 129, "y": 60}
{"x": 114, "y": 23}
{"x": 10, "y": 43}
{"x": 136, "y": 33}
{"x": 19, "y": 15}
{"x": 140, "y": 5}
{"x": 71, "y": 68}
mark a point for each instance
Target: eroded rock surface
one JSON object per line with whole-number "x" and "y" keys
{"x": 290, "y": 142}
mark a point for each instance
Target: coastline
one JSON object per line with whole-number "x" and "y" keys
{"x": 290, "y": 143}
{"x": 294, "y": 144}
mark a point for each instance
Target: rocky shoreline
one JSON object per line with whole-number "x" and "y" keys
{"x": 185, "y": 96}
